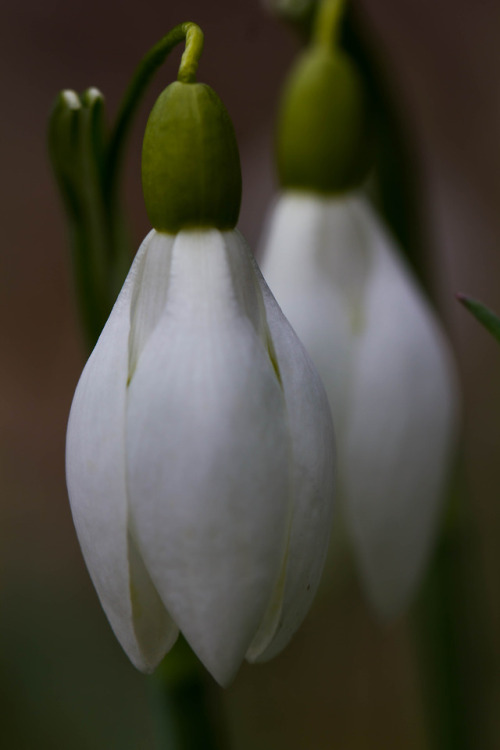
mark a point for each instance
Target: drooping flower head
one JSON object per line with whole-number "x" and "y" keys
{"x": 377, "y": 344}
{"x": 199, "y": 445}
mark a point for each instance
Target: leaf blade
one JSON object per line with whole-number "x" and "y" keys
{"x": 483, "y": 314}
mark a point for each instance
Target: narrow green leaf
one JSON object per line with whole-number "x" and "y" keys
{"x": 483, "y": 314}
{"x": 93, "y": 251}
{"x": 77, "y": 148}
{"x": 63, "y": 134}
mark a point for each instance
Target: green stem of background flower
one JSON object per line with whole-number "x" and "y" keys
{"x": 449, "y": 639}
{"x": 327, "y": 24}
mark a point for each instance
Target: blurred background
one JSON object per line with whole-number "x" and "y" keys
{"x": 345, "y": 681}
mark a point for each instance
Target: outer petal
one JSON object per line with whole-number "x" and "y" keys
{"x": 208, "y": 451}
{"x": 149, "y": 294}
{"x": 313, "y": 484}
{"x": 402, "y": 426}
{"x": 96, "y": 477}
{"x": 318, "y": 286}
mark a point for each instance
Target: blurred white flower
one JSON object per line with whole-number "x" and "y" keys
{"x": 200, "y": 458}
{"x": 388, "y": 372}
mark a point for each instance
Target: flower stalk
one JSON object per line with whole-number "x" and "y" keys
{"x": 187, "y": 704}
{"x": 327, "y": 26}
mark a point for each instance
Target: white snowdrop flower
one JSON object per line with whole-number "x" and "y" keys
{"x": 377, "y": 344}
{"x": 200, "y": 444}
{"x": 388, "y": 372}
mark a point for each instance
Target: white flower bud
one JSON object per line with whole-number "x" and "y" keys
{"x": 200, "y": 458}
{"x": 388, "y": 372}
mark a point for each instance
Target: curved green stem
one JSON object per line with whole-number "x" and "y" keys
{"x": 328, "y": 22}
{"x": 156, "y": 56}
{"x": 191, "y": 55}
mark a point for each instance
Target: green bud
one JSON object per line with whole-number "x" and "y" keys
{"x": 191, "y": 173}
{"x": 324, "y": 138}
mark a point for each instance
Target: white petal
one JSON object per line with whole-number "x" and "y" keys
{"x": 96, "y": 476}
{"x": 402, "y": 427}
{"x": 208, "y": 451}
{"x": 318, "y": 285}
{"x": 313, "y": 484}
{"x": 153, "y": 274}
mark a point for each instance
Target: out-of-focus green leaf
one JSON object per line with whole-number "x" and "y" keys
{"x": 77, "y": 148}
{"x": 483, "y": 314}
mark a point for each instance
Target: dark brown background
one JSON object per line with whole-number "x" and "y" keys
{"x": 345, "y": 682}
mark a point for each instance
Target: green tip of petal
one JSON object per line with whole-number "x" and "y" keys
{"x": 191, "y": 172}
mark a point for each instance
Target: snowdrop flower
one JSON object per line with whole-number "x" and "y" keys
{"x": 199, "y": 445}
{"x": 377, "y": 344}
{"x": 388, "y": 372}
